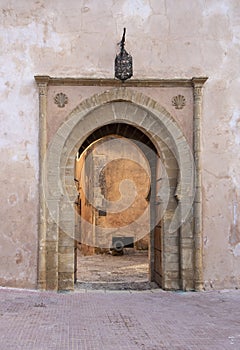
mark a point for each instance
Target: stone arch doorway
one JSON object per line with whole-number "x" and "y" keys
{"x": 115, "y": 174}
{"x": 181, "y": 262}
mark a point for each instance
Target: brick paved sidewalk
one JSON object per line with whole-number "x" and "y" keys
{"x": 119, "y": 320}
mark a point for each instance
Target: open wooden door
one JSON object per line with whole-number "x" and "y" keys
{"x": 158, "y": 271}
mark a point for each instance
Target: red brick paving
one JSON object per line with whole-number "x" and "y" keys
{"x": 119, "y": 320}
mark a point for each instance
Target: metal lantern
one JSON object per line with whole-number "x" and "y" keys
{"x": 123, "y": 62}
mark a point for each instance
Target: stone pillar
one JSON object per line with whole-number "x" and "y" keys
{"x": 186, "y": 254}
{"x": 66, "y": 245}
{"x": 198, "y": 235}
{"x": 42, "y": 86}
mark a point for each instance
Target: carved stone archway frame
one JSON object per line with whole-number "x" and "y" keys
{"x": 57, "y": 191}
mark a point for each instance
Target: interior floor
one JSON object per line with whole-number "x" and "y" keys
{"x": 128, "y": 271}
{"x": 132, "y": 266}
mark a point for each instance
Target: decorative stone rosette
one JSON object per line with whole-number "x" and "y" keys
{"x": 61, "y": 100}
{"x": 179, "y": 101}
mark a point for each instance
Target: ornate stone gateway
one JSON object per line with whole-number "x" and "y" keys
{"x": 168, "y": 114}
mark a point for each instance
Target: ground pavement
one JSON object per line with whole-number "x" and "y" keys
{"x": 119, "y": 320}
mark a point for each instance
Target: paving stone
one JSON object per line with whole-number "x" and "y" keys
{"x": 119, "y": 320}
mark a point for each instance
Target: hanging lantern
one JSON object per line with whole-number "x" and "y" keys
{"x": 123, "y": 62}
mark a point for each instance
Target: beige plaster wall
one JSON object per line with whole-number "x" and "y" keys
{"x": 167, "y": 39}
{"x": 121, "y": 193}
{"x": 85, "y": 210}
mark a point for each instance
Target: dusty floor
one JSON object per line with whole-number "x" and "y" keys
{"x": 128, "y": 269}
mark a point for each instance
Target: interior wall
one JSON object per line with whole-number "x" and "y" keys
{"x": 167, "y": 40}
{"x": 114, "y": 184}
{"x": 84, "y": 173}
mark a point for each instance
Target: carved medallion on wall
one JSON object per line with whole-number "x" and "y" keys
{"x": 179, "y": 101}
{"x": 61, "y": 100}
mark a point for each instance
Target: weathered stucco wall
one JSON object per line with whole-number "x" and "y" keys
{"x": 121, "y": 193}
{"x": 167, "y": 39}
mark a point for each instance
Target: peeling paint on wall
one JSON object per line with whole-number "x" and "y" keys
{"x": 234, "y": 237}
{"x": 236, "y": 250}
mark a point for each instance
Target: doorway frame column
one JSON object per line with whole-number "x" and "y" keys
{"x": 197, "y": 147}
